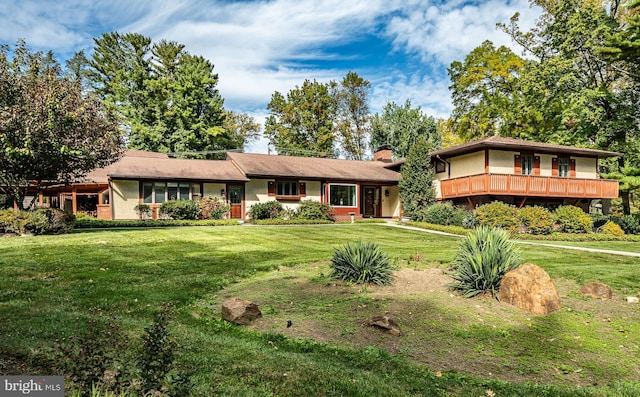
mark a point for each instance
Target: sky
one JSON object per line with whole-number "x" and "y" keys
{"x": 402, "y": 47}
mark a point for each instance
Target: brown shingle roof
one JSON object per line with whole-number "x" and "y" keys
{"x": 268, "y": 166}
{"x": 496, "y": 142}
{"x": 146, "y": 165}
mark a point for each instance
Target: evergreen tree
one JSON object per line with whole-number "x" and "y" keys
{"x": 416, "y": 179}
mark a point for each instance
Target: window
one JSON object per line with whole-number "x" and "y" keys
{"x": 343, "y": 195}
{"x": 286, "y": 188}
{"x": 159, "y": 192}
{"x": 563, "y": 167}
{"x": 527, "y": 164}
{"x": 440, "y": 166}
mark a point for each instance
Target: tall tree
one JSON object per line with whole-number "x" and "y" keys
{"x": 398, "y": 127}
{"x": 352, "y": 115}
{"x": 241, "y": 125}
{"x": 303, "y": 122}
{"x": 416, "y": 179}
{"x": 51, "y": 132}
{"x": 166, "y": 98}
{"x": 484, "y": 92}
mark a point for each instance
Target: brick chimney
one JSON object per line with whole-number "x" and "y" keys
{"x": 384, "y": 155}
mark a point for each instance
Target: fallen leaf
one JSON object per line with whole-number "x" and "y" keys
{"x": 439, "y": 374}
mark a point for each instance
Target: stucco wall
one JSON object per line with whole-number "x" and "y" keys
{"x": 257, "y": 191}
{"x": 545, "y": 164}
{"x": 500, "y": 162}
{"x": 213, "y": 189}
{"x": 391, "y": 204}
{"x": 125, "y": 196}
{"x": 585, "y": 167}
{"x": 468, "y": 164}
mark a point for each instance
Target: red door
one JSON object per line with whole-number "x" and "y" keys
{"x": 235, "y": 197}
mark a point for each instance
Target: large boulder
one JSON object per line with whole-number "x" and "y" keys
{"x": 596, "y": 290}
{"x": 530, "y": 288}
{"x": 384, "y": 323}
{"x": 240, "y": 311}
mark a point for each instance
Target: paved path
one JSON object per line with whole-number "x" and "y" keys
{"x": 569, "y": 247}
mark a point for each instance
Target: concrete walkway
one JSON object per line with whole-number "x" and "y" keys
{"x": 597, "y": 250}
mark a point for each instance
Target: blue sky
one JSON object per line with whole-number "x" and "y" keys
{"x": 403, "y": 47}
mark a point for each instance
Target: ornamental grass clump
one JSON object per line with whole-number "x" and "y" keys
{"x": 362, "y": 263}
{"x": 483, "y": 258}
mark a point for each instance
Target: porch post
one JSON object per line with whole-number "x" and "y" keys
{"x": 74, "y": 200}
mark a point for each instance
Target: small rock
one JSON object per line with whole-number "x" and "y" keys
{"x": 240, "y": 311}
{"x": 385, "y": 323}
{"x": 632, "y": 299}
{"x": 596, "y": 290}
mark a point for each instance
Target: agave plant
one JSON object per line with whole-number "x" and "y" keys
{"x": 362, "y": 263}
{"x": 483, "y": 258}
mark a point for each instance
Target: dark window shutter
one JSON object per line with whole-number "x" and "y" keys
{"x": 572, "y": 168}
{"x": 536, "y": 165}
{"x": 554, "y": 166}
{"x": 272, "y": 188}
{"x": 517, "y": 164}
{"x": 303, "y": 188}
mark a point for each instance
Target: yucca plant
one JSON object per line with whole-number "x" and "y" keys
{"x": 362, "y": 263}
{"x": 483, "y": 258}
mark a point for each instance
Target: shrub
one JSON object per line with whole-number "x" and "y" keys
{"x": 180, "y": 209}
{"x": 572, "y": 219}
{"x": 536, "y": 220}
{"x": 437, "y": 214}
{"x": 156, "y": 357}
{"x": 362, "y": 263}
{"x": 314, "y": 210}
{"x": 212, "y": 208}
{"x": 268, "y": 210}
{"x": 143, "y": 211}
{"x": 599, "y": 220}
{"x": 483, "y": 258}
{"x": 628, "y": 223}
{"x": 498, "y": 214}
{"x": 612, "y": 229}
{"x": 39, "y": 221}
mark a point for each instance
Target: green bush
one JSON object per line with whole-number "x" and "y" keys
{"x": 143, "y": 211}
{"x": 268, "y": 210}
{"x": 628, "y": 223}
{"x": 39, "y": 221}
{"x": 483, "y": 258}
{"x": 572, "y": 219}
{"x": 536, "y": 220}
{"x": 612, "y": 229}
{"x": 180, "y": 209}
{"x": 314, "y": 210}
{"x": 362, "y": 263}
{"x": 498, "y": 214}
{"x": 212, "y": 208}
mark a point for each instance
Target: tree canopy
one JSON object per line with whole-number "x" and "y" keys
{"x": 302, "y": 123}
{"x": 399, "y": 127}
{"x": 51, "y": 132}
{"x": 352, "y": 115}
{"x": 165, "y": 97}
{"x": 416, "y": 179}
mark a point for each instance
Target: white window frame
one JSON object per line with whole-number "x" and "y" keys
{"x": 356, "y": 198}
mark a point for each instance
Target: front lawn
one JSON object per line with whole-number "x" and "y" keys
{"x": 51, "y": 285}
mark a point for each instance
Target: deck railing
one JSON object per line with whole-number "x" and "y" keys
{"x": 528, "y": 185}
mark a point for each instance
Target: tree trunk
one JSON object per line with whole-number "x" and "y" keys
{"x": 626, "y": 207}
{"x": 606, "y": 206}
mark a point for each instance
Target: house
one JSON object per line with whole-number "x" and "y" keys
{"x": 520, "y": 173}
{"x": 362, "y": 188}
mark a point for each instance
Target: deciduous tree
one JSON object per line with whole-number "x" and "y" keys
{"x": 51, "y": 132}
{"x": 398, "y": 127}
{"x": 302, "y": 123}
{"x": 352, "y": 115}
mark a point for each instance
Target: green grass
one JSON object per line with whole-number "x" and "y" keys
{"x": 50, "y": 285}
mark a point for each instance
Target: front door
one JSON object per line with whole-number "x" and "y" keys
{"x": 370, "y": 204}
{"x": 235, "y": 196}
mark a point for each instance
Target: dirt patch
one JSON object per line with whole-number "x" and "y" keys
{"x": 579, "y": 345}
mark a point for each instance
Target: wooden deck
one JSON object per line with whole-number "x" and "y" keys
{"x": 528, "y": 185}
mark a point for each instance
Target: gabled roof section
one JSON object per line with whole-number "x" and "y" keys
{"x": 312, "y": 168}
{"x": 496, "y": 142}
{"x": 137, "y": 164}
